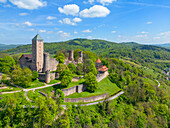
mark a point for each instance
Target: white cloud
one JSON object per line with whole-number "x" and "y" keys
{"x": 67, "y": 21}
{"x": 87, "y": 31}
{"x": 28, "y": 23}
{"x": 149, "y": 23}
{"x": 165, "y": 34}
{"x": 141, "y": 36}
{"x": 23, "y": 14}
{"x": 29, "y": 4}
{"x": 31, "y": 29}
{"x": 95, "y": 11}
{"x": 3, "y": 1}
{"x": 156, "y": 38}
{"x": 51, "y": 18}
{"x": 144, "y": 32}
{"x": 49, "y": 32}
{"x": 75, "y": 32}
{"x": 64, "y": 34}
{"x": 113, "y": 31}
{"x": 90, "y": 1}
{"x": 104, "y": 2}
{"x": 71, "y": 9}
{"x": 77, "y": 19}
{"x": 89, "y": 37}
{"x": 40, "y": 31}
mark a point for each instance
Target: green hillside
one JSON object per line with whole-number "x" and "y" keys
{"x": 4, "y": 47}
{"x": 137, "y": 52}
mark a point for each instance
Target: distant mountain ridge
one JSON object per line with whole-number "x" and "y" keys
{"x": 101, "y": 47}
{"x": 163, "y": 45}
{"x": 5, "y": 47}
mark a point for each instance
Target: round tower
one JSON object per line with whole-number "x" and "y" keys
{"x": 80, "y": 60}
{"x": 47, "y": 76}
{"x": 71, "y": 55}
{"x": 46, "y": 65}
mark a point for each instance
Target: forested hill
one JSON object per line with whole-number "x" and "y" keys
{"x": 138, "y": 52}
{"x": 4, "y": 47}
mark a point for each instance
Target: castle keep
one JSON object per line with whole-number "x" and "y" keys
{"x": 39, "y": 61}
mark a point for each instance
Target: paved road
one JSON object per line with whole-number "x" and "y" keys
{"x": 26, "y": 90}
{"x": 158, "y": 83}
{"x": 111, "y": 98}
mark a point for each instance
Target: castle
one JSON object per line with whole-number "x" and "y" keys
{"x": 39, "y": 61}
{"x": 46, "y": 66}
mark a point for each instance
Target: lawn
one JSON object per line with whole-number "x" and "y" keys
{"x": 32, "y": 95}
{"x": 9, "y": 88}
{"x": 105, "y": 86}
{"x": 150, "y": 72}
{"x": 165, "y": 61}
{"x": 55, "y": 87}
{"x": 131, "y": 63}
{"x": 53, "y": 81}
{"x": 36, "y": 83}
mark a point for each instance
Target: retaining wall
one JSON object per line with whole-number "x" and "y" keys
{"x": 78, "y": 88}
{"x": 87, "y": 99}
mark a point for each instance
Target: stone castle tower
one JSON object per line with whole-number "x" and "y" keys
{"x": 37, "y": 53}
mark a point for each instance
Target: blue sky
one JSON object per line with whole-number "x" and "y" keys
{"x": 142, "y": 21}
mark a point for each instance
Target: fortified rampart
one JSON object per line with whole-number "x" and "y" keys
{"x": 87, "y": 99}
{"x": 78, "y": 88}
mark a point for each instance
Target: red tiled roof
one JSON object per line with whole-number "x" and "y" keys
{"x": 103, "y": 69}
{"x": 98, "y": 61}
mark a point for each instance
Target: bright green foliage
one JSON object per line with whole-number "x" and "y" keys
{"x": 61, "y": 58}
{"x": 105, "y": 62}
{"x": 76, "y": 54}
{"x": 35, "y": 75}
{"x": 91, "y": 82}
{"x": 6, "y": 64}
{"x": 4, "y": 79}
{"x": 60, "y": 94}
{"x": 72, "y": 67}
{"x": 79, "y": 69}
{"x": 21, "y": 77}
{"x": 61, "y": 67}
{"x": 90, "y": 55}
{"x": 89, "y": 66}
{"x": 63, "y": 121}
{"x": 66, "y": 77}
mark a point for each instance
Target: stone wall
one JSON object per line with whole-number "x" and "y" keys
{"x": 78, "y": 88}
{"x": 69, "y": 91}
{"x": 41, "y": 76}
{"x": 87, "y": 99}
{"x": 53, "y": 64}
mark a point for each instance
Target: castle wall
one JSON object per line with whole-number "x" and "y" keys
{"x": 52, "y": 76}
{"x": 87, "y": 99}
{"x": 41, "y": 76}
{"x": 53, "y": 64}
{"x": 77, "y": 88}
{"x": 69, "y": 91}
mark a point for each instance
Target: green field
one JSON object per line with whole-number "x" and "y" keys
{"x": 55, "y": 87}
{"x": 53, "y": 81}
{"x": 165, "y": 61}
{"x": 9, "y": 88}
{"x": 36, "y": 83}
{"x": 105, "y": 86}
